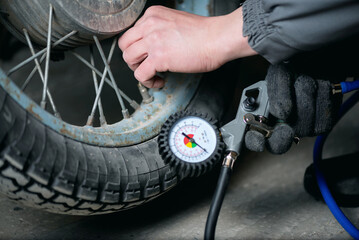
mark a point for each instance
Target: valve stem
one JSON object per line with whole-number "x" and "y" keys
{"x": 146, "y": 97}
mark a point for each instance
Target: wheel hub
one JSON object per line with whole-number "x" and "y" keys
{"x": 103, "y": 18}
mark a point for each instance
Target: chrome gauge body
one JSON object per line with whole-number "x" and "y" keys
{"x": 190, "y": 141}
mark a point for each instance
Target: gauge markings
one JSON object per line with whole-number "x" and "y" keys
{"x": 192, "y": 139}
{"x": 191, "y": 142}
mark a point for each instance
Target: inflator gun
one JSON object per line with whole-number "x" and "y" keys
{"x": 192, "y": 143}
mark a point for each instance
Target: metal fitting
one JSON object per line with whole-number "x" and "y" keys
{"x": 230, "y": 159}
{"x": 125, "y": 114}
{"x": 257, "y": 123}
{"x": 336, "y": 88}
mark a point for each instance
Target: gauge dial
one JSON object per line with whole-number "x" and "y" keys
{"x": 191, "y": 142}
{"x": 192, "y": 139}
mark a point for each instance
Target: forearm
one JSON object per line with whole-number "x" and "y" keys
{"x": 278, "y": 29}
{"x": 230, "y": 37}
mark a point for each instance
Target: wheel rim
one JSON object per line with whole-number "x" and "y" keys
{"x": 146, "y": 120}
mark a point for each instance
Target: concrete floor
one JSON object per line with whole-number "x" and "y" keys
{"x": 265, "y": 200}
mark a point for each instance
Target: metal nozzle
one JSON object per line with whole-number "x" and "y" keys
{"x": 230, "y": 159}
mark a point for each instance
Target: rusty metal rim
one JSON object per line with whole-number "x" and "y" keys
{"x": 144, "y": 124}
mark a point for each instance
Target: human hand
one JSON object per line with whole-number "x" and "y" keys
{"x": 165, "y": 39}
{"x": 303, "y": 106}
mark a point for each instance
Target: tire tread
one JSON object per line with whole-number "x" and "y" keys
{"x": 44, "y": 169}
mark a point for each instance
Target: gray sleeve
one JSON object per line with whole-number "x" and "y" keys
{"x": 278, "y": 29}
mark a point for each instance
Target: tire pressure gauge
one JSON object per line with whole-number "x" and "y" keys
{"x": 191, "y": 142}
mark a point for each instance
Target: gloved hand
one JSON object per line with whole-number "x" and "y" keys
{"x": 302, "y": 106}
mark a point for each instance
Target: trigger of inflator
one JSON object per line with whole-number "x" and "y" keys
{"x": 258, "y": 123}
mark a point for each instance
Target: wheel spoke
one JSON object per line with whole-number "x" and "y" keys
{"x": 38, "y": 67}
{"x": 125, "y": 112}
{"x": 47, "y": 63}
{"x": 94, "y": 76}
{"x": 98, "y": 93}
{"x": 132, "y": 103}
{"x": 43, "y": 52}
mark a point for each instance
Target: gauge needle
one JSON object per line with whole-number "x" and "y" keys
{"x": 193, "y": 141}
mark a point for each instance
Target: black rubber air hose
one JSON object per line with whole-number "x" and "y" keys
{"x": 217, "y": 201}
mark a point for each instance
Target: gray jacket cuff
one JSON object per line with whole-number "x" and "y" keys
{"x": 263, "y": 37}
{"x": 278, "y": 29}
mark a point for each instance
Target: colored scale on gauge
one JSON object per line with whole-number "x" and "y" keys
{"x": 188, "y": 143}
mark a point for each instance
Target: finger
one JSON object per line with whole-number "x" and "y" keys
{"x": 146, "y": 74}
{"x": 135, "y": 54}
{"x": 147, "y": 70}
{"x": 255, "y": 141}
{"x": 281, "y": 139}
{"x": 305, "y": 92}
{"x": 150, "y": 12}
{"x": 155, "y": 82}
{"x": 155, "y": 11}
{"x": 134, "y": 66}
{"x": 280, "y": 91}
{"x": 131, "y": 36}
{"x": 327, "y": 106}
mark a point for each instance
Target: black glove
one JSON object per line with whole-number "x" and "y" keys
{"x": 302, "y": 106}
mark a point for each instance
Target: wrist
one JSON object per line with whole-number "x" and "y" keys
{"x": 230, "y": 40}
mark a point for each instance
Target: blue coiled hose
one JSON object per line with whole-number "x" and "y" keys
{"x": 349, "y": 86}
{"x": 317, "y": 157}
